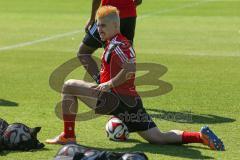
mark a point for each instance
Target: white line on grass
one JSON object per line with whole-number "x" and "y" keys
{"x": 57, "y": 36}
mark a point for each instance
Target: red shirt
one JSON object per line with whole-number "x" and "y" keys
{"x": 127, "y": 8}
{"x": 117, "y": 52}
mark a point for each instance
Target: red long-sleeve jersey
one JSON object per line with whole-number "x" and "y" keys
{"x": 117, "y": 52}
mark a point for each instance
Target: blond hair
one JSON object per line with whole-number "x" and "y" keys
{"x": 110, "y": 13}
{"x": 106, "y": 11}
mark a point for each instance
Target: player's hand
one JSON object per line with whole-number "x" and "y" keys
{"x": 88, "y": 24}
{"x": 104, "y": 86}
{"x": 137, "y": 2}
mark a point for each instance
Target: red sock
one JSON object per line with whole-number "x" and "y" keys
{"x": 69, "y": 125}
{"x": 191, "y": 137}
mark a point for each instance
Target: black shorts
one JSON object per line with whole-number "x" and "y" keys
{"x": 129, "y": 109}
{"x": 127, "y": 27}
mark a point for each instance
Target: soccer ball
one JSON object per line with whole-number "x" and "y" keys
{"x": 116, "y": 130}
{"x": 16, "y": 133}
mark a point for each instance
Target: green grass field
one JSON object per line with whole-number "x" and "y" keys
{"x": 198, "y": 41}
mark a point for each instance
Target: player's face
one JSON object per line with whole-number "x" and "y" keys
{"x": 106, "y": 29}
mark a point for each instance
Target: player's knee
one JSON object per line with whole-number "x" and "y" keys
{"x": 84, "y": 50}
{"x": 177, "y": 132}
{"x": 69, "y": 83}
{"x": 80, "y": 52}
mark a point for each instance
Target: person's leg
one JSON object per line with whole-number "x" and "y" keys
{"x": 73, "y": 89}
{"x": 85, "y": 57}
{"x": 141, "y": 122}
{"x": 155, "y": 136}
{"x": 148, "y": 130}
{"x": 89, "y": 45}
{"x": 205, "y": 136}
{"x": 69, "y": 111}
{"x": 80, "y": 88}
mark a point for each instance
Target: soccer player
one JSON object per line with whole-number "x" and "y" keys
{"x": 116, "y": 94}
{"x": 92, "y": 40}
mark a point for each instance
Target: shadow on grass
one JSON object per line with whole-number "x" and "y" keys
{"x": 181, "y": 151}
{"x": 188, "y": 117}
{"x": 6, "y": 152}
{"x": 4, "y": 102}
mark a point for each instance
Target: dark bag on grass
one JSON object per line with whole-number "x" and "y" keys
{"x": 18, "y": 136}
{"x": 3, "y": 127}
{"x": 78, "y": 152}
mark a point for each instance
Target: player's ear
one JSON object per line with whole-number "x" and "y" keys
{"x": 115, "y": 24}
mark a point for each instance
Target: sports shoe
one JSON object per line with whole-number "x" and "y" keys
{"x": 60, "y": 139}
{"x": 210, "y": 139}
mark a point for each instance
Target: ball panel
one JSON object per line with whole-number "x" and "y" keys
{"x": 116, "y": 130}
{"x": 16, "y": 133}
